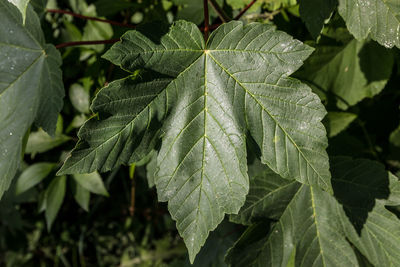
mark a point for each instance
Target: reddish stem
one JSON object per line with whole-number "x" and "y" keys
{"x": 244, "y": 10}
{"x": 87, "y": 43}
{"x": 59, "y": 11}
{"x": 206, "y": 20}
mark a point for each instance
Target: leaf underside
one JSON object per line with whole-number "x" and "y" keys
{"x": 203, "y": 100}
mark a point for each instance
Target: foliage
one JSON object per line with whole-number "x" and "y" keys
{"x": 229, "y": 127}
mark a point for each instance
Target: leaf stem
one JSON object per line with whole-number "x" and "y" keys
{"x": 221, "y": 13}
{"x": 111, "y": 41}
{"x": 60, "y": 11}
{"x": 371, "y": 147}
{"x": 133, "y": 189}
{"x": 206, "y": 20}
{"x": 244, "y": 10}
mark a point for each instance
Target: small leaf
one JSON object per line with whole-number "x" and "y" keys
{"x": 81, "y": 195}
{"x": 95, "y": 30}
{"x": 33, "y": 175}
{"x": 91, "y": 182}
{"x": 378, "y": 18}
{"x": 337, "y": 122}
{"x": 79, "y": 98}
{"x": 395, "y": 137}
{"x": 40, "y": 141}
{"x": 55, "y": 193}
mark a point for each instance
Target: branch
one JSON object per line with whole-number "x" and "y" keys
{"x": 86, "y": 43}
{"x": 59, "y": 11}
{"x": 221, "y": 13}
{"x": 244, "y": 10}
{"x": 206, "y": 20}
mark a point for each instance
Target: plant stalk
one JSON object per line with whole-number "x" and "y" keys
{"x": 133, "y": 189}
{"x": 206, "y": 20}
{"x": 111, "y": 41}
{"x": 221, "y": 13}
{"x": 244, "y": 10}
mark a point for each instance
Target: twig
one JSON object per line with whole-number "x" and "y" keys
{"x": 111, "y": 41}
{"x": 206, "y": 20}
{"x": 211, "y": 27}
{"x": 59, "y": 11}
{"x": 133, "y": 189}
{"x": 221, "y": 13}
{"x": 244, "y": 10}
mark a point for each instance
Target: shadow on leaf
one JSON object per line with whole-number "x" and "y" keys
{"x": 372, "y": 54}
{"x": 356, "y": 185}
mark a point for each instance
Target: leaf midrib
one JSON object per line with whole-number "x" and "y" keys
{"x": 22, "y": 73}
{"x": 274, "y": 119}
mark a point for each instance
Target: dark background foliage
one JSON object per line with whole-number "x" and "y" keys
{"x": 117, "y": 232}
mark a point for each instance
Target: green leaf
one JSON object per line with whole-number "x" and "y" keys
{"x": 39, "y": 6}
{"x": 214, "y": 250}
{"x": 22, "y": 5}
{"x": 151, "y": 169}
{"x": 33, "y": 175}
{"x": 40, "y": 141}
{"x": 379, "y": 238}
{"x": 319, "y": 226}
{"x": 247, "y": 248}
{"x": 92, "y": 182}
{"x": 350, "y": 72}
{"x": 366, "y": 180}
{"x": 378, "y": 18}
{"x": 395, "y": 137}
{"x": 308, "y": 225}
{"x": 54, "y": 198}
{"x": 95, "y": 30}
{"x": 205, "y": 99}
{"x": 31, "y": 88}
{"x": 81, "y": 194}
{"x": 315, "y": 12}
{"x": 337, "y": 122}
{"x": 269, "y": 195}
{"x": 79, "y": 97}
